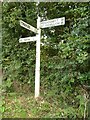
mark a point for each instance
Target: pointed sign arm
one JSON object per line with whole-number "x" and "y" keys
{"x": 27, "y": 39}
{"x": 52, "y": 22}
{"x": 27, "y": 26}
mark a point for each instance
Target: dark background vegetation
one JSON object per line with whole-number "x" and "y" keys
{"x": 65, "y": 53}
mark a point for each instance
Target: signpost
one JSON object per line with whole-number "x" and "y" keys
{"x": 37, "y": 71}
{"x": 27, "y": 39}
{"x": 43, "y": 24}
{"x": 37, "y": 39}
{"x": 27, "y": 26}
{"x": 53, "y": 22}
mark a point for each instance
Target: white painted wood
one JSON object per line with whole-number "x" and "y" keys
{"x": 52, "y": 22}
{"x": 27, "y": 26}
{"x": 43, "y": 24}
{"x": 37, "y": 70}
{"x": 27, "y": 39}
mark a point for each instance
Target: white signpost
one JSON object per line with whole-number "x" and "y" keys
{"x": 43, "y": 24}
{"x": 37, "y": 71}
{"x": 53, "y": 22}
{"x": 27, "y": 26}
{"x": 27, "y": 39}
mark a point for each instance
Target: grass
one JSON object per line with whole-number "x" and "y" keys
{"x": 26, "y": 106}
{"x": 48, "y": 105}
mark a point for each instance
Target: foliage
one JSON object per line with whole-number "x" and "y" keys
{"x": 25, "y": 106}
{"x": 65, "y": 52}
{"x": 2, "y": 105}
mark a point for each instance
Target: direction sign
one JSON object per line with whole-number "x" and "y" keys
{"x": 52, "y": 22}
{"x": 27, "y": 39}
{"x": 43, "y": 24}
{"x": 27, "y": 26}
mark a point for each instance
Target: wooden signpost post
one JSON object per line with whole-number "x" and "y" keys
{"x": 43, "y": 24}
